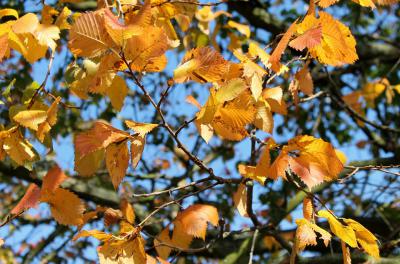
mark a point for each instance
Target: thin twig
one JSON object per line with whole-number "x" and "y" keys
{"x": 253, "y": 244}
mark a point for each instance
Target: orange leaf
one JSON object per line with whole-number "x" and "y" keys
{"x": 29, "y": 200}
{"x": 280, "y": 48}
{"x": 309, "y": 39}
{"x": 100, "y": 136}
{"x": 117, "y": 161}
{"x": 65, "y": 206}
{"x": 53, "y": 179}
{"x": 193, "y": 220}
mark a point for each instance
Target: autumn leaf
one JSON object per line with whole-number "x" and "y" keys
{"x": 65, "y": 206}
{"x": 18, "y": 148}
{"x": 240, "y": 200}
{"x": 99, "y": 137}
{"x": 280, "y": 48}
{"x": 141, "y": 128}
{"x": 53, "y": 179}
{"x": 147, "y": 54}
{"x": 29, "y": 200}
{"x": 118, "y": 31}
{"x": 337, "y": 46}
{"x": 117, "y": 92}
{"x": 314, "y": 162}
{"x": 90, "y": 163}
{"x": 189, "y": 223}
{"x": 345, "y": 233}
{"x": 30, "y": 118}
{"x": 364, "y": 237}
{"x": 193, "y": 220}
{"x": 88, "y": 35}
{"x": 137, "y": 147}
{"x": 308, "y": 209}
{"x": 201, "y": 65}
{"x": 117, "y": 161}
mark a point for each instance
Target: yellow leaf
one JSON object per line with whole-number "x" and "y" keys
{"x": 240, "y": 200}
{"x": 65, "y": 206}
{"x": 163, "y": 238}
{"x": 338, "y": 44}
{"x": 244, "y": 29}
{"x": 316, "y": 160}
{"x": 264, "y": 119}
{"x": 366, "y": 3}
{"x": 371, "y": 91}
{"x": 144, "y": 52}
{"x": 51, "y": 120}
{"x": 308, "y": 209}
{"x": 30, "y": 118}
{"x": 280, "y": 48}
{"x": 230, "y": 90}
{"x": 8, "y": 12}
{"x": 304, "y": 78}
{"x": 137, "y": 147}
{"x": 274, "y": 97}
{"x": 19, "y": 149}
{"x": 93, "y": 233}
{"x": 345, "y": 233}
{"x": 117, "y": 31}
{"x": 117, "y": 161}
{"x": 309, "y": 226}
{"x": 90, "y": 163}
{"x": 26, "y": 24}
{"x": 256, "y": 51}
{"x": 123, "y": 251}
{"x": 128, "y": 211}
{"x": 141, "y": 128}
{"x": 364, "y": 237}
{"x": 250, "y": 173}
{"x": 47, "y": 35}
{"x": 201, "y": 65}
{"x": 61, "y": 21}
{"x": 117, "y": 92}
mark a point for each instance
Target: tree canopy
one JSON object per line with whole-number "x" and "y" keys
{"x": 186, "y": 131}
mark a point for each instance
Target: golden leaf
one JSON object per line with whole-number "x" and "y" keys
{"x": 137, "y": 147}
{"x": 90, "y": 163}
{"x": 65, "y": 206}
{"x": 141, "y": 128}
{"x": 117, "y": 161}
{"x": 88, "y": 35}
{"x": 18, "y": 148}
{"x": 364, "y": 237}
{"x": 30, "y": 118}
{"x": 117, "y": 92}
{"x": 345, "y": 233}
{"x": 100, "y": 136}
{"x": 201, "y": 65}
